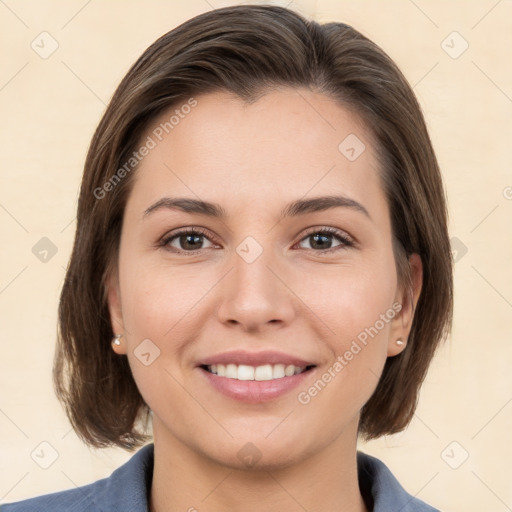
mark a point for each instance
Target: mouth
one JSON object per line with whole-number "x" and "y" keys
{"x": 263, "y": 372}
{"x": 255, "y": 377}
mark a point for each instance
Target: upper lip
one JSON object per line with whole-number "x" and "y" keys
{"x": 255, "y": 358}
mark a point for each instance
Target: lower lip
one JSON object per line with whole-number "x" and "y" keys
{"x": 254, "y": 391}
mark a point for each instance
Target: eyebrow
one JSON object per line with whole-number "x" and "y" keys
{"x": 293, "y": 209}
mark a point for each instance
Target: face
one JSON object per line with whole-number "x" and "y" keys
{"x": 267, "y": 325}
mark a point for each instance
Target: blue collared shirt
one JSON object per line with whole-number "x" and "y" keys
{"x": 127, "y": 490}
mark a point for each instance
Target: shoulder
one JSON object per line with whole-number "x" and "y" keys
{"x": 76, "y": 500}
{"x": 125, "y": 489}
{"x": 377, "y": 481}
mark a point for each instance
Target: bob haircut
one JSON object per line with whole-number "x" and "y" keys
{"x": 248, "y": 50}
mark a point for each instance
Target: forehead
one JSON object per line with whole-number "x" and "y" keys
{"x": 288, "y": 144}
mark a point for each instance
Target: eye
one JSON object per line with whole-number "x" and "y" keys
{"x": 189, "y": 241}
{"x": 320, "y": 239}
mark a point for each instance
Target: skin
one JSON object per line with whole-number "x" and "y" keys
{"x": 253, "y": 160}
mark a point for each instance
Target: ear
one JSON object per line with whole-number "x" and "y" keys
{"x": 115, "y": 310}
{"x": 402, "y": 322}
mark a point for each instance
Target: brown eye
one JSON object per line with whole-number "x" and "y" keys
{"x": 320, "y": 240}
{"x": 185, "y": 241}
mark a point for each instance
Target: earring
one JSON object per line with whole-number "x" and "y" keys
{"x": 116, "y": 340}
{"x": 399, "y": 342}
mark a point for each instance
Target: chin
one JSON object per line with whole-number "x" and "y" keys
{"x": 255, "y": 457}
{"x": 264, "y": 449}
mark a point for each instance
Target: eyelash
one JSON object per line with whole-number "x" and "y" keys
{"x": 342, "y": 237}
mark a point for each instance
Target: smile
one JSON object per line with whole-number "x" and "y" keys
{"x": 255, "y": 377}
{"x": 259, "y": 373}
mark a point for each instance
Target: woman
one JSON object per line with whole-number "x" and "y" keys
{"x": 262, "y": 233}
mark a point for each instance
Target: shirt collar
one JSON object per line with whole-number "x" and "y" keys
{"x": 128, "y": 488}
{"x": 378, "y": 485}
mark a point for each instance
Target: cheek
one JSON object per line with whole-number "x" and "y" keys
{"x": 158, "y": 308}
{"x": 350, "y": 299}
{"x": 156, "y": 298}
{"x": 356, "y": 306}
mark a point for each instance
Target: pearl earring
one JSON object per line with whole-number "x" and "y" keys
{"x": 399, "y": 342}
{"x": 116, "y": 340}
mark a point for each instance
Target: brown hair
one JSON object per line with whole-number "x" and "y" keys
{"x": 247, "y": 50}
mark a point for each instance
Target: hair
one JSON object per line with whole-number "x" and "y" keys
{"x": 249, "y": 50}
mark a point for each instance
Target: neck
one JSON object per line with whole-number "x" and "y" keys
{"x": 184, "y": 480}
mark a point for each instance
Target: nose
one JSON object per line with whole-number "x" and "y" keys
{"x": 255, "y": 296}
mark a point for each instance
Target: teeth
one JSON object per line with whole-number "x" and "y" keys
{"x": 264, "y": 372}
{"x": 278, "y": 371}
{"x": 245, "y": 372}
{"x": 231, "y": 371}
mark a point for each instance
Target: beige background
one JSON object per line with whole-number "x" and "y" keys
{"x": 50, "y": 108}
